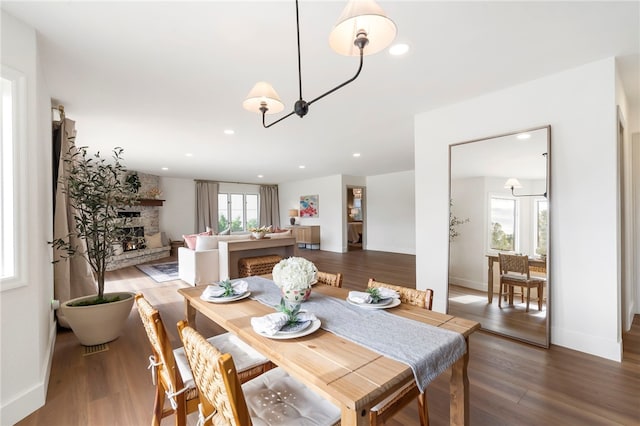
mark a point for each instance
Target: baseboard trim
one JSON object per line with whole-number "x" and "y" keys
{"x": 34, "y": 397}
{"x": 593, "y": 345}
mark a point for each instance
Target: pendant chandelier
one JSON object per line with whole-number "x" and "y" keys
{"x": 362, "y": 29}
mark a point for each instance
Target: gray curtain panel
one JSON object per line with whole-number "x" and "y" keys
{"x": 72, "y": 277}
{"x": 206, "y": 206}
{"x": 269, "y": 206}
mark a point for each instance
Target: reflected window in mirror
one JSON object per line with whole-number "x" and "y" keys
{"x": 502, "y": 226}
{"x": 541, "y": 226}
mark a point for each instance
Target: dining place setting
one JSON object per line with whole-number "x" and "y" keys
{"x": 293, "y": 281}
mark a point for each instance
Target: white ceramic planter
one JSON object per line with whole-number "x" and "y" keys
{"x": 98, "y": 324}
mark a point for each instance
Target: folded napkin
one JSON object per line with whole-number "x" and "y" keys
{"x": 364, "y": 297}
{"x": 272, "y": 323}
{"x": 239, "y": 287}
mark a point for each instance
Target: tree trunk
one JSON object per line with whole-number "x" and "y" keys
{"x": 100, "y": 276}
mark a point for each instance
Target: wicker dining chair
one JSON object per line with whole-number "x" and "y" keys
{"x": 411, "y": 296}
{"x": 515, "y": 271}
{"x": 393, "y": 404}
{"x": 170, "y": 369}
{"x": 270, "y": 399}
{"x": 334, "y": 280}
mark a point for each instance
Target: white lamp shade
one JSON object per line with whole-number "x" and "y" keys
{"x": 512, "y": 183}
{"x": 362, "y": 15}
{"x": 263, "y": 92}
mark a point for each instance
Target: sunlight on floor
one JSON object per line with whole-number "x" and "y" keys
{"x": 467, "y": 299}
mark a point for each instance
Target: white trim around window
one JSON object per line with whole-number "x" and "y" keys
{"x": 13, "y": 144}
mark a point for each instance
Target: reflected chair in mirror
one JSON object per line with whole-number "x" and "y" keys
{"x": 393, "y": 404}
{"x": 273, "y": 398}
{"x": 515, "y": 272}
{"x": 170, "y": 369}
{"x": 334, "y": 280}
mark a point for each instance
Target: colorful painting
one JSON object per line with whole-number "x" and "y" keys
{"x": 309, "y": 206}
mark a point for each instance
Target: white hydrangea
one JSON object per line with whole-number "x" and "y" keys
{"x": 294, "y": 273}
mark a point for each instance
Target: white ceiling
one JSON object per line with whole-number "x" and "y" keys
{"x": 163, "y": 79}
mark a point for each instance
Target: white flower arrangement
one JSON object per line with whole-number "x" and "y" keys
{"x": 294, "y": 274}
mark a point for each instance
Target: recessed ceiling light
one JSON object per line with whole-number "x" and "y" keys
{"x": 399, "y": 49}
{"x": 188, "y": 154}
{"x": 260, "y": 176}
{"x": 356, "y": 154}
{"x": 165, "y": 168}
{"x": 229, "y": 132}
{"x": 523, "y": 136}
{"x": 301, "y": 166}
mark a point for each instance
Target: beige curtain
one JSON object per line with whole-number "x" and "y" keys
{"x": 206, "y": 206}
{"x": 269, "y": 206}
{"x": 71, "y": 277}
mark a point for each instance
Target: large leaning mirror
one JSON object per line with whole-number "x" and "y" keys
{"x": 499, "y": 204}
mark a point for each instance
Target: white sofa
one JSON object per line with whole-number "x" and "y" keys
{"x": 202, "y": 265}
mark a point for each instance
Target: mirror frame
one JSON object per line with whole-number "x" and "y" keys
{"x": 547, "y": 339}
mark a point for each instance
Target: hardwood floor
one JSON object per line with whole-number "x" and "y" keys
{"x": 511, "y": 383}
{"x": 511, "y": 320}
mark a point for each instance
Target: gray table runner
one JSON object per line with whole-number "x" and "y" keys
{"x": 428, "y": 350}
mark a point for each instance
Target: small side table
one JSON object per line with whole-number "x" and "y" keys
{"x": 174, "y": 247}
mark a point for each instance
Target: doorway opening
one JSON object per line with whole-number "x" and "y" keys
{"x": 355, "y": 218}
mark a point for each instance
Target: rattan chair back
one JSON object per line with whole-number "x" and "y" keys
{"x": 412, "y": 296}
{"x": 514, "y": 263}
{"x": 221, "y": 397}
{"x": 334, "y": 280}
{"x": 168, "y": 378}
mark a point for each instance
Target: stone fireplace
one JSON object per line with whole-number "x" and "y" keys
{"x": 137, "y": 222}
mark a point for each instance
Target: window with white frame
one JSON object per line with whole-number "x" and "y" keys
{"x": 237, "y": 211}
{"x": 502, "y": 226}
{"x": 12, "y": 120}
{"x": 541, "y": 220}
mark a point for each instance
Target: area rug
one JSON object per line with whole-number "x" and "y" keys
{"x": 161, "y": 272}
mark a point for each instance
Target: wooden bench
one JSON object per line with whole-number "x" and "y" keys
{"x": 259, "y": 265}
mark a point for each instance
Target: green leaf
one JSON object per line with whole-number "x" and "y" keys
{"x": 375, "y": 294}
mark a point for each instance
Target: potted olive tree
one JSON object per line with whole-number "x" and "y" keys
{"x": 97, "y": 190}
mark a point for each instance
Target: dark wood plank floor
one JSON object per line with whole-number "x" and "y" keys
{"x": 511, "y": 383}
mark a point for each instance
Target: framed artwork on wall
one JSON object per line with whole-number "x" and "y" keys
{"x": 309, "y": 206}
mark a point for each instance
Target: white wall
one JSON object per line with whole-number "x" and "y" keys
{"x": 330, "y": 212}
{"x": 469, "y": 202}
{"x": 27, "y": 333}
{"x": 391, "y": 219}
{"x": 580, "y": 106}
{"x": 178, "y": 214}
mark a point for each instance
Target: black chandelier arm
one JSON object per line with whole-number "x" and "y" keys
{"x": 343, "y": 84}
{"x": 528, "y": 195}
{"x": 266, "y": 126}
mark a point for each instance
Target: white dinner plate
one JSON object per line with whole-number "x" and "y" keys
{"x": 315, "y": 325}
{"x": 394, "y": 302}
{"x": 226, "y": 299}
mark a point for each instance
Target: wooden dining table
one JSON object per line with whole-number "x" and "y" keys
{"x": 349, "y": 375}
